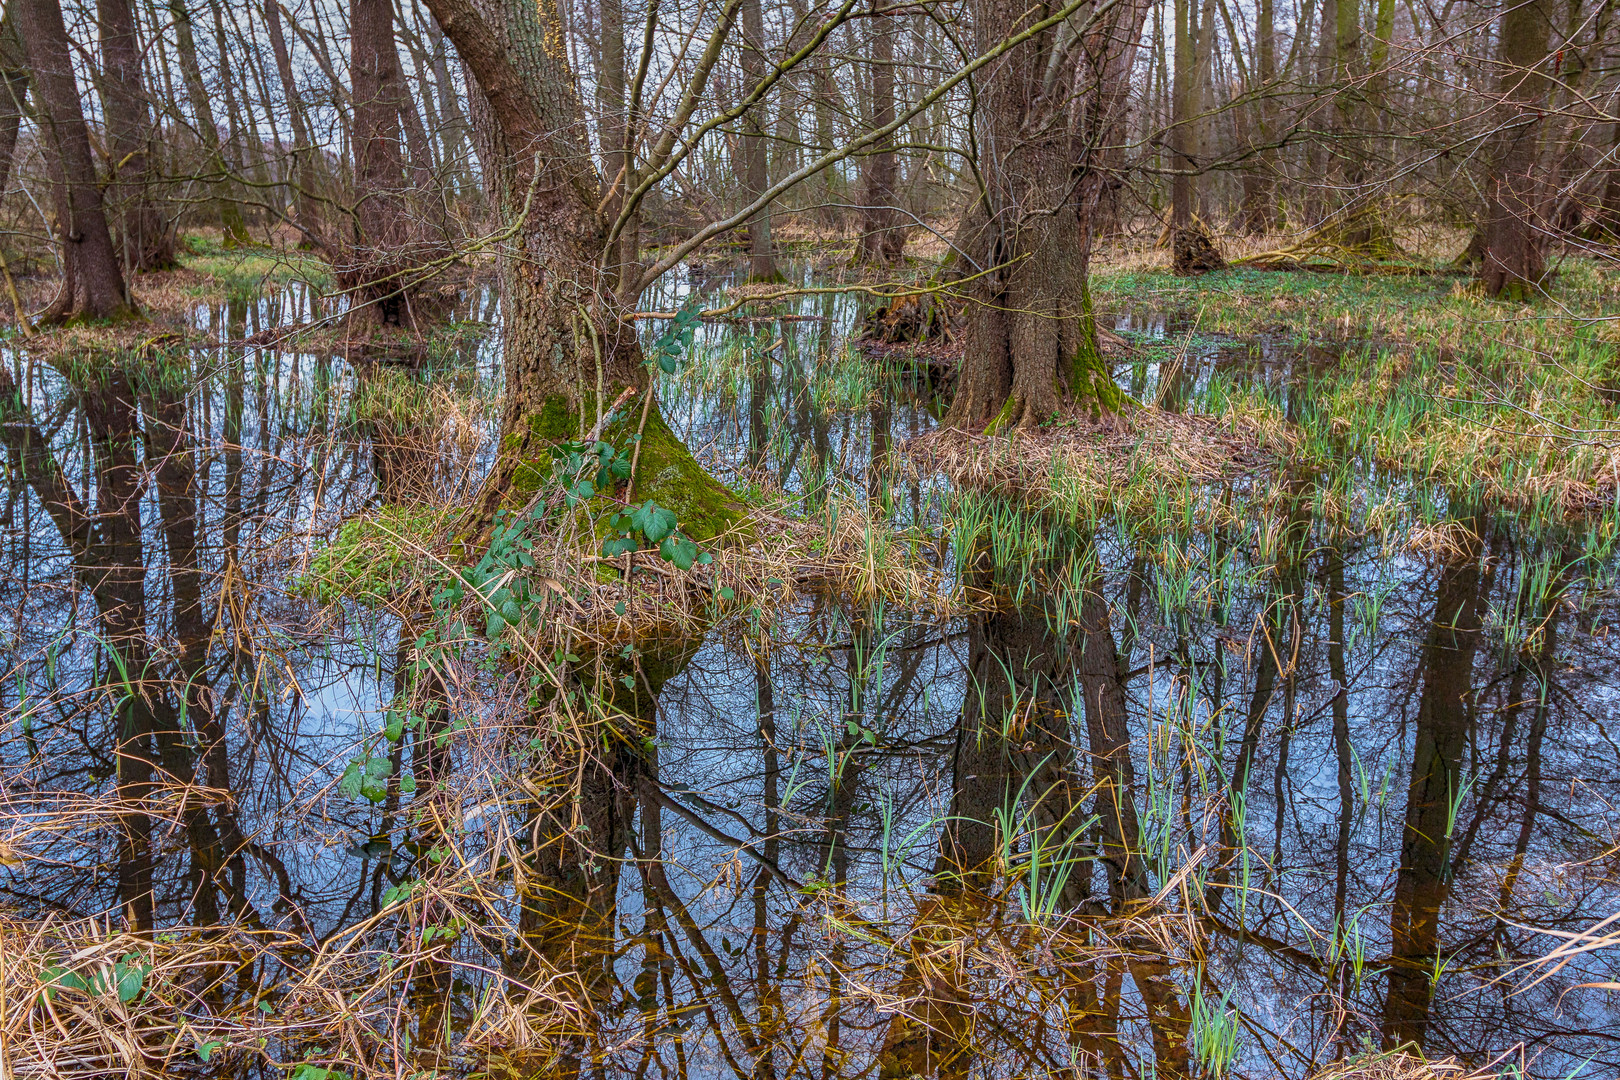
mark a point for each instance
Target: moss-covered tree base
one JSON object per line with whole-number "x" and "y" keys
{"x": 665, "y": 470}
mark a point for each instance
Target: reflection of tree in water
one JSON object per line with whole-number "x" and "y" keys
{"x": 815, "y": 846}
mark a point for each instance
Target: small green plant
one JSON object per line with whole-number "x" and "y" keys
{"x": 642, "y": 526}
{"x": 126, "y": 979}
{"x": 1213, "y": 1032}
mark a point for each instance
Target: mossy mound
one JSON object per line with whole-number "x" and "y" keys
{"x": 666, "y": 472}
{"x": 373, "y": 555}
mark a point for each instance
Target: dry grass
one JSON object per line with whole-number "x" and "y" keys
{"x": 1083, "y": 464}
{"x": 1397, "y": 1065}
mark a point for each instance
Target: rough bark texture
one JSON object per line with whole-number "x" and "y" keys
{"x": 883, "y": 234}
{"x": 376, "y": 266}
{"x": 568, "y": 349}
{"x": 1045, "y": 110}
{"x": 1515, "y": 248}
{"x": 92, "y": 283}
{"x": 13, "y": 90}
{"x": 144, "y": 239}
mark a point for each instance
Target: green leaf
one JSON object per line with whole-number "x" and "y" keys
{"x": 511, "y": 612}
{"x": 367, "y": 778}
{"x": 654, "y": 522}
{"x": 130, "y": 976}
{"x": 727, "y": 593}
{"x": 206, "y": 1050}
{"x": 394, "y": 725}
{"x": 679, "y": 550}
{"x": 56, "y": 976}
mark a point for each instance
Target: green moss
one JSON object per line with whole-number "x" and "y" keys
{"x": 372, "y": 555}
{"x": 1091, "y": 383}
{"x": 667, "y": 473}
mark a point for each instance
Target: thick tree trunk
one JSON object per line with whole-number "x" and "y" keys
{"x": 145, "y": 239}
{"x": 13, "y": 90}
{"x": 883, "y": 235}
{"x": 568, "y": 348}
{"x": 375, "y": 267}
{"x": 1515, "y": 249}
{"x": 93, "y": 285}
{"x": 1029, "y": 319}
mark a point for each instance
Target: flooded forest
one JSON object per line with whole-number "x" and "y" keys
{"x": 810, "y": 539}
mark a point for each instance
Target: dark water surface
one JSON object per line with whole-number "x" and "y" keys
{"x": 1298, "y": 786}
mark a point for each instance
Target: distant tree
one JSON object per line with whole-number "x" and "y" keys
{"x": 143, "y": 235}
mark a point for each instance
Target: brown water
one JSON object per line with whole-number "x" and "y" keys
{"x": 1348, "y": 785}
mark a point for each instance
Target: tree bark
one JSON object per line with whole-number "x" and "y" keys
{"x": 756, "y": 167}
{"x": 568, "y": 349}
{"x": 883, "y": 236}
{"x": 1515, "y": 248}
{"x": 1037, "y": 142}
{"x": 375, "y": 268}
{"x": 144, "y": 238}
{"x": 92, "y": 283}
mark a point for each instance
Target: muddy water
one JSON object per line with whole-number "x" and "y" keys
{"x": 1270, "y": 795}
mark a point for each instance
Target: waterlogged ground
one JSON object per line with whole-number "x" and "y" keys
{"x": 1259, "y": 776}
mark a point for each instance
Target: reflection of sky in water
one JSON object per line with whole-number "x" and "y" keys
{"x": 327, "y": 676}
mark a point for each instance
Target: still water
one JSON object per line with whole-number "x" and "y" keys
{"x": 1262, "y": 796}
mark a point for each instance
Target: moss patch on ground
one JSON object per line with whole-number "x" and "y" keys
{"x": 374, "y": 555}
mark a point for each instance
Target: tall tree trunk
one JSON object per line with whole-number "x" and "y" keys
{"x": 306, "y": 163}
{"x": 13, "y": 90}
{"x": 1030, "y": 320}
{"x": 92, "y": 282}
{"x": 883, "y": 237}
{"x": 232, "y": 224}
{"x": 568, "y": 350}
{"x": 390, "y": 236}
{"x": 1191, "y": 251}
{"x": 613, "y": 127}
{"x": 144, "y": 238}
{"x": 1259, "y": 212}
{"x": 756, "y": 167}
{"x": 1515, "y": 249}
